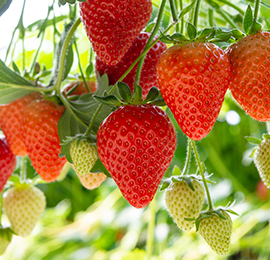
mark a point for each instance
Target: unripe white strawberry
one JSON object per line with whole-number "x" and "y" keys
{"x": 92, "y": 180}
{"x": 23, "y": 205}
{"x": 5, "y": 239}
{"x": 262, "y": 161}
{"x": 217, "y": 232}
{"x": 84, "y": 156}
{"x": 182, "y": 202}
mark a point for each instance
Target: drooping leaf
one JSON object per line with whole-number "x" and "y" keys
{"x": 191, "y": 31}
{"x": 248, "y": 19}
{"x": 12, "y": 85}
{"x": 4, "y": 5}
{"x": 99, "y": 167}
{"x": 186, "y": 10}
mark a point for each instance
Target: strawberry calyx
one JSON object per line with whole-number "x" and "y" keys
{"x": 256, "y": 141}
{"x": 6, "y": 233}
{"x": 208, "y": 214}
{"x": 153, "y": 97}
{"x": 211, "y": 34}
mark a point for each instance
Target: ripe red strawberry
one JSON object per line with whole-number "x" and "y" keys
{"x": 250, "y": 74}
{"x": 7, "y": 163}
{"x": 41, "y": 138}
{"x": 217, "y": 232}
{"x": 148, "y": 78}
{"x": 80, "y": 88}
{"x": 193, "y": 79}
{"x": 10, "y": 121}
{"x": 23, "y": 205}
{"x": 112, "y": 26}
{"x": 136, "y": 144}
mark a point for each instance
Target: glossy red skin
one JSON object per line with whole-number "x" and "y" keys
{"x": 136, "y": 144}
{"x": 250, "y": 61}
{"x": 10, "y": 122}
{"x": 193, "y": 80}
{"x": 148, "y": 78}
{"x": 7, "y": 163}
{"x": 40, "y": 131}
{"x": 112, "y": 26}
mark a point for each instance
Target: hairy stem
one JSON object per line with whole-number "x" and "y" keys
{"x": 188, "y": 158}
{"x": 256, "y": 10}
{"x": 210, "y": 17}
{"x": 196, "y": 13}
{"x": 210, "y": 204}
{"x": 23, "y": 175}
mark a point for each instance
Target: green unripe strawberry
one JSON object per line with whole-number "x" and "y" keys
{"x": 182, "y": 202}
{"x": 217, "y": 232}
{"x": 5, "y": 239}
{"x": 84, "y": 156}
{"x": 262, "y": 161}
{"x": 23, "y": 205}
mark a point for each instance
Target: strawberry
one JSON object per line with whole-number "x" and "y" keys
{"x": 5, "y": 239}
{"x": 261, "y": 160}
{"x": 79, "y": 88}
{"x": 7, "y": 163}
{"x": 217, "y": 232}
{"x": 91, "y": 180}
{"x": 250, "y": 74}
{"x": 23, "y": 205}
{"x": 193, "y": 79}
{"x": 183, "y": 202}
{"x": 41, "y": 138}
{"x": 10, "y": 121}
{"x": 84, "y": 156}
{"x": 112, "y": 26}
{"x": 148, "y": 78}
{"x": 136, "y": 144}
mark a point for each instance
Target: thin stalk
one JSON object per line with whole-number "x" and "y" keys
{"x": 10, "y": 43}
{"x": 210, "y": 204}
{"x": 80, "y": 67}
{"x": 177, "y": 27}
{"x": 182, "y": 20}
{"x": 154, "y": 32}
{"x": 196, "y": 13}
{"x": 256, "y": 10}
{"x": 229, "y": 3}
{"x": 23, "y": 54}
{"x": 188, "y": 158}
{"x": 27, "y": 87}
{"x": 151, "y": 231}
{"x": 23, "y": 175}
{"x": 63, "y": 56}
{"x": 173, "y": 11}
{"x": 210, "y": 17}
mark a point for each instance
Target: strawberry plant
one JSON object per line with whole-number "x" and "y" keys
{"x": 104, "y": 119}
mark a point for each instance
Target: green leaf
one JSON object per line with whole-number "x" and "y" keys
{"x": 99, "y": 167}
{"x": 152, "y": 95}
{"x": 176, "y": 171}
{"x": 150, "y": 27}
{"x": 68, "y": 125}
{"x": 12, "y": 85}
{"x": 124, "y": 92}
{"x": 266, "y": 136}
{"x": 89, "y": 70}
{"x": 248, "y": 19}
{"x": 206, "y": 32}
{"x": 186, "y": 10}
{"x": 158, "y": 102}
{"x": 253, "y": 152}
{"x": 4, "y": 5}
{"x": 165, "y": 184}
{"x": 68, "y": 57}
{"x": 253, "y": 140}
{"x": 179, "y": 37}
{"x": 232, "y": 212}
{"x": 191, "y": 31}
{"x": 189, "y": 183}
{"x": 110, "y": 100}
{"x": 137, "y": 95}
{"x": 15, "y": 67}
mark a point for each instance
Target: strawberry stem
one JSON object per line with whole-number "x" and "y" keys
{"x": 210, "y": 17}
{"x": 210, "y": 204}
{"x": 173, "y": 10}
{"x": 196, "y": 13}
{"x": 256, "y": 10}
{"x": 154, "y": 32}
{"x": 151, "y": 230}
{"x": 188, "y": 158}
{"x": 23, "y": 175}
{"x": 237, "y": 8}
{"x": 80, "y": 66}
